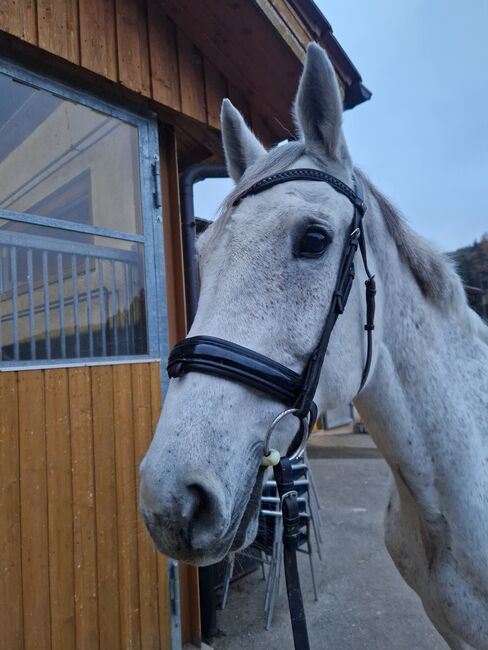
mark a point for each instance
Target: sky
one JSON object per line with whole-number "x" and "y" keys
{"x": 423, "y": 136}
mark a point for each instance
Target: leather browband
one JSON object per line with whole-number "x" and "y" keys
{"x": 304, "y": 174}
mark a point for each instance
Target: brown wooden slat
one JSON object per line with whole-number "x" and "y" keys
{"x": 11, "y": 623}
{"x": 189, "y": 604}
{"x": 18, "y": 17}
{"x": 57, "y": 23}
{"x": 84, "y": 522}
{"x": 288, "y": 14}
{"x": 156, "y": 398}
{"x": 237, "y": 98}
{"x": 162, "y": 563}
{"x": 191, "y": 75}
{"x": 173, "y": 251}
{"x": 98, "y": 37}
{"x": 281, "y": 18}
{"x": 60, "y": 510}
{"x": 148, "y": 576}
{"x": 106, "y": 506}
{"x": 163, "y": 56}
{"x": 215, "y": 90}
{"x": 33, "y": 508}
{"x": 126, "y": 508}
{"x": 132, "y": 46}
{"x": 262, "y": 130}
{"x": 266, "y": 72}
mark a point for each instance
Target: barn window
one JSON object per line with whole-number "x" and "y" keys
{"x": 79, "y": 227}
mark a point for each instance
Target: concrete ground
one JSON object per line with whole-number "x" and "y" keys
{"x": 363, "y": 603}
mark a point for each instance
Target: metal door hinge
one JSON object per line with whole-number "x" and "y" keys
{"x": 174, "y": 604}
{"x": 156, "y": 185}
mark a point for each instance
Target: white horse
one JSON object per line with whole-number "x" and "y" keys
{"x": 425, "y": 401}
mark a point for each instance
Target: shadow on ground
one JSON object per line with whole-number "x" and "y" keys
{"x": 363, "y": 602}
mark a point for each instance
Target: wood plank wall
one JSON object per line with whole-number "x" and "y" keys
{"x": 133, "y": 43}
{"x": 78, "y": 570}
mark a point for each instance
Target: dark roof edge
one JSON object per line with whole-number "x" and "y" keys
{"x": 321, "y": 30}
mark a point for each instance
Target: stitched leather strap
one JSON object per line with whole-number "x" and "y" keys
{"x": 283, "y": 473}
{"x": 304, "y": 174}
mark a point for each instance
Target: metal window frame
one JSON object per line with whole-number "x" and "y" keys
{"x": 152, "y": 236}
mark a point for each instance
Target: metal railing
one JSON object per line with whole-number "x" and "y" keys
{"x": 67, "y": 299}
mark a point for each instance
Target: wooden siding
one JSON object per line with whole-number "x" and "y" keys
{"x": 136, "y": 44}
{"x": 78, "y": 569}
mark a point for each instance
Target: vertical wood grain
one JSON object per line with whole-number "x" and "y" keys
{"x": 237, "y": 98}
{"x": 84, "y": 521}
{"x": 262, "y": 129}
{"x": 18, "y": 17}
{"x": 98, "y": 48}
{"x": 215, "y": 91}
{"x": 106, "y": 506}
{"x": 126, "y": 508}
{"x": 33, "y": 509}
{"x": 173, "y": 248}
{"x": 163, "y": 58}
{"x": 162, "y": 564}
{"x": 60, "y": 510}
{"x": 57, "y": 24}
{"x": 148, "y": 575}
{"x": 11, "y": 623}
{"x": 192, "y": 80}
{"x": 132, "y": 45}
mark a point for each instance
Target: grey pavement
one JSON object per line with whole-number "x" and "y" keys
{"x": 363, "y": 602}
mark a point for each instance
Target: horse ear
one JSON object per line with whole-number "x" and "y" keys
{"x": 241, "y": 146}
{"x": 318, "y": 106}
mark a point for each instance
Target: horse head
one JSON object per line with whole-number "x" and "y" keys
{"x": 268, "y": 268}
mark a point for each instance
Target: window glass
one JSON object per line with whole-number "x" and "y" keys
{"x": 64, "y": 160}
{"x": 67, "y": 170}
{"x": 67, "y": 295}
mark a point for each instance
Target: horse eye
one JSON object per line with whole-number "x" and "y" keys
{"x": 313, "y": 243}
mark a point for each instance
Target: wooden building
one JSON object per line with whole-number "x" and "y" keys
{"x": 103, "y": 104}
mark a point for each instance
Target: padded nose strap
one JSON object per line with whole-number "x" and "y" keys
{"x": 214, "y": 356}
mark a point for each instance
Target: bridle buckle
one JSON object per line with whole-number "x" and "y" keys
{"x": 291, "y": 494}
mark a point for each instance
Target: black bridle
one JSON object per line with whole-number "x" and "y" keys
{"x": 215, "y": 356}
{"x": 221, "y": 358}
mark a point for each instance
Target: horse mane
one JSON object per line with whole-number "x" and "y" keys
{"x": 433, "y": 271}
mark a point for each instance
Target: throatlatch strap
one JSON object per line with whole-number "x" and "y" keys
{"x": 283, "y": 473}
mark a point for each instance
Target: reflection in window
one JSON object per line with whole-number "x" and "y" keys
{"x": 66, "y": 293}
{"x": 46, "y": 143}
{"x": 64, "y": 299}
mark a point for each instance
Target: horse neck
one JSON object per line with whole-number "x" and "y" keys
{"x": 426, "y": 398}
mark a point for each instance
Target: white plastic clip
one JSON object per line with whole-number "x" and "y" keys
{"x": 271, "y": 459}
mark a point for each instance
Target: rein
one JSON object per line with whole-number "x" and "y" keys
{"x": 221, "y": 358}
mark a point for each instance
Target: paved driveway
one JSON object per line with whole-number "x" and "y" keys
{"x": 363, "y": 603}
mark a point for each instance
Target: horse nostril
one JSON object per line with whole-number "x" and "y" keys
{"x": 203, "y": 515}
